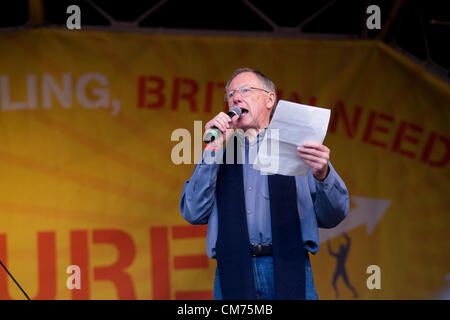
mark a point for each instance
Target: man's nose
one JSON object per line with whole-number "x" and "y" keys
{"x": 237, "y": 97}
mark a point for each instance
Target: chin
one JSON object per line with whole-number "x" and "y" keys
{"x": 242, "y": 126}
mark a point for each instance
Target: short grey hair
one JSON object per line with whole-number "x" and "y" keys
{"x": 266, "y": 82}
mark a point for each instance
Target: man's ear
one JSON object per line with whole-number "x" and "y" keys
{"x": 270, "y": 100}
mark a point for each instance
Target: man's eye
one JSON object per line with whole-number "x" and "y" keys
{"x": 245, "y": 90}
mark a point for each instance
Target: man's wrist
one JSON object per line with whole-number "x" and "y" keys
{"x": 212, "y": 154}
{"x": 213, "y": 147}
{"x": 322, "y": 176}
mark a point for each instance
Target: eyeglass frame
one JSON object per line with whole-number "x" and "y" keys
{"x": 227, "y": 99}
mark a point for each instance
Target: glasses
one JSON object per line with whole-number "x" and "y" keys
{"x": 243, "y": 91}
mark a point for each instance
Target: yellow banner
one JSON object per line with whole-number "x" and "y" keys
{"x": 89, "y": 193}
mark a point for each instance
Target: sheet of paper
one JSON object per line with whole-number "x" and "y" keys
{"x": 292, "y": 124}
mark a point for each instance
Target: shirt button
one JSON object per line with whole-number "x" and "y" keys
{"x": 250, "y": 188}
{"x": 249, "y": 211}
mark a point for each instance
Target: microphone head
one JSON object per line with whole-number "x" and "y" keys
{"x": 236, "y": 110}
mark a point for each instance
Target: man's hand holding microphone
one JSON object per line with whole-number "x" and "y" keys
{"x": 221, "y": 126}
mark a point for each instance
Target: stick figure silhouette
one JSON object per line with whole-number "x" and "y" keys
{"x": 341, "y": 257}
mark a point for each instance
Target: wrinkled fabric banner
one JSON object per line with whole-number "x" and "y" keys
{"x": 100, "y": 130}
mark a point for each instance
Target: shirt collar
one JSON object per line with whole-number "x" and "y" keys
{"x": 244, "y": 140}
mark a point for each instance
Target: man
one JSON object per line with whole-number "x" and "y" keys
{"x": 261, "y": 227}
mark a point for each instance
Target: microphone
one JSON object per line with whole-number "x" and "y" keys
{"x": 214, "y": 132}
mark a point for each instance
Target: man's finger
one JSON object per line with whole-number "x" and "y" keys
{"x": 313, "y": 159}
{"x": 313, "y": 152}
{"x": 315, "y": 145}
{"x": 221, "y": 124}
{"x": 225, "y": 117}
{"x": 311, "y": 144}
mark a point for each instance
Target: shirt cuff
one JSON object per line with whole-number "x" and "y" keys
{"x": 328, "y": 182}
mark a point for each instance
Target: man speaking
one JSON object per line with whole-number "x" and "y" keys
{"x": 261, "y": 227}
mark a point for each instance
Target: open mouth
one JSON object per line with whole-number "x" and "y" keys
{"x": 244, "y": 111}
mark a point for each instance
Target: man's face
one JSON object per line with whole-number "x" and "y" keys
{"x": 256, "y": 105}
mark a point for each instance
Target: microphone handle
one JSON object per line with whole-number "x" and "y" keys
{"x": 212, "y": 134}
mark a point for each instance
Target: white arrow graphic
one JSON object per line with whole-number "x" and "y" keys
{"x": 368, "y": 211}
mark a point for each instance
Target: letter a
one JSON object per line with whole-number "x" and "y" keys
{"x": 73, "y": 281}
{"x": 184, "y": 147}
{"x": 374, "y": 20}
{"x": 73, "y": 21}
{"x": 374, "y": 281}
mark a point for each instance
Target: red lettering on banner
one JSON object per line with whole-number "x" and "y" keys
{"x": 210, "y": 86}
{"x": 312, "y": 101}
{"x": 405, "y": 132}
{"x": 159, "y": 244}
{"x": 46, "y": 267}
{"x": 154, "y": 94}
{"x": 279, "y": 94}
{"x": 79, "y": 253}
{"x": 4, "y": 292}
{"x": 189, "y": 96}
{"x": 191, "y": 262}
{"x": 430, "y": 144}
{"x": 115, "y": 273}
{"x": 194, "y": 295}
{"x": 401, "y": 136}
{"x": 122, "y": 241}
{"x": 183, "y": 232}
{"x": 294, "y": 97}
{"x": 373, "y": 126}
{"x": 209, "y": 96}
{"x": 351, "y": 127}
{"x": 198, "y": 261}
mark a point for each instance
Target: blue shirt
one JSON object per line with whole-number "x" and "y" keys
{"x": 320, "y": 203}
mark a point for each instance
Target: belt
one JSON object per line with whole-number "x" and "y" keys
{"x": 258, "y": 250}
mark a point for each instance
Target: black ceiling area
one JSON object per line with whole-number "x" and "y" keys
{"x": 419, "y": 29}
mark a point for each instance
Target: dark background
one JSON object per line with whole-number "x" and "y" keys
{"x": 417, "y": 28}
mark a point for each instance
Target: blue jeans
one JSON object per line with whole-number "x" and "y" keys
{"x": 264, "y": 280}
